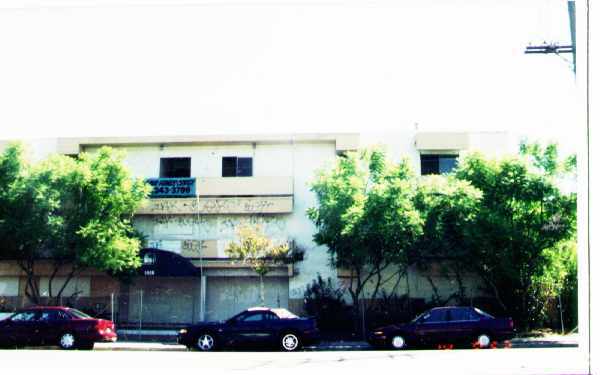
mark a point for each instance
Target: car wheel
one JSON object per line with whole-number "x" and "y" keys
{"x": 67, "y": 341}
{"x": 205, "y": 342}
{"x": 290, "y": 342}
{"x": 398, "y": 342}
{"x": 483, "y": 340}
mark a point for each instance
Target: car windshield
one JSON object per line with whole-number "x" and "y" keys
{"x": 481, "y": 312}
{"x": 418, "y": 317}
{"x": 79, "y": 314}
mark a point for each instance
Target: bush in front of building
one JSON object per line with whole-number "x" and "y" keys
{"x": 391, "y": 308}
{"x": 325, "y": 301}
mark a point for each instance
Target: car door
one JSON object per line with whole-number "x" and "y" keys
{"x": 51, "y": 324}
{"x": 249, "y": 328}
{"x": 460, "y": 325}
{"x": 432, "y": 327}
{"x": 7, "y": 331}
{"x": 23, "y": 327}
{"x": 272, "y": 326}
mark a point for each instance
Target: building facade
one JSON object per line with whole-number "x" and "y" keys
{"x": 204, "y": 188}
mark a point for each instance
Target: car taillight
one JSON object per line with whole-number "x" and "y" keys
{"x": 105, "y": 327}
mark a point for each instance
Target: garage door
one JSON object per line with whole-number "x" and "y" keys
{"x": 173, "y": 300}
{"x": 226, "y": 296}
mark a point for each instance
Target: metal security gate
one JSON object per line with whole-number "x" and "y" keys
{"x": 226, "y": 296}
{"x": 164, "y": 301}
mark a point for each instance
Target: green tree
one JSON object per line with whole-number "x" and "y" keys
{"x": 72, "y": 212}
{"x": 555, "y": 283}
{"x": 258, "y": 251}
{"x": 555, "y": 278}
{"x": 366, "y": 218}
{"x": 522, "y": 213}
{"x": 449, "y": 208}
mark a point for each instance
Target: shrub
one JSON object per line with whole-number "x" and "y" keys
{"x": 326, "y": 303}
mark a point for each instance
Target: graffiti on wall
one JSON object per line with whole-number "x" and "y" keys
{"x": 209, "y": 227}
{"x": 233, "y": 205}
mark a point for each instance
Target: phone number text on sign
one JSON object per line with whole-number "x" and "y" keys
{"x": 172, "y": 187}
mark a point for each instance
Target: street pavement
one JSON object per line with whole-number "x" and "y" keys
{"x": 538, "y": 361}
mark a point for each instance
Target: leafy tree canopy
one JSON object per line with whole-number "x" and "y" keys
{"x": 73, "y": 212}
{"x": 254, "y": 248}
{"x": 366, "y": 216}
{"x": 522, "y": 213}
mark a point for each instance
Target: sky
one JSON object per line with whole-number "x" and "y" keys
{"x": 150, "y": 67}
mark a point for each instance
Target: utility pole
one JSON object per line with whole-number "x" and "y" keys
{"x": 555, "y": 48}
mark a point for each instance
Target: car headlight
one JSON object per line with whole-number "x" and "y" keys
{"x": 182, "y": 331}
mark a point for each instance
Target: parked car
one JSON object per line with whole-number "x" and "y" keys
{"x": 445, "y": 325}
{"x": 66, "y": 327}
{"x": 255, "y": 326}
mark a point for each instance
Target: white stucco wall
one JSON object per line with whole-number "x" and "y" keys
{"x": 299, "y": 161}
{"x": 269, "y": 160}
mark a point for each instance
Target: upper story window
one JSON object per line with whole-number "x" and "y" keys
{"x": 175, "y": 167}
{"x": 237, "y": 167}
{"x": 438, "y": 164}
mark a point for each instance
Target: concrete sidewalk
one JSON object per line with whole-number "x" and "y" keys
{"x": 549, "y": 341}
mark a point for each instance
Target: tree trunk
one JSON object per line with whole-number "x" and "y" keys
{"x": 32, "y": 291}
{"x": 262, "y": 290}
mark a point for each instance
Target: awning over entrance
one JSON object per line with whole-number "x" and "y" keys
{"x": 162, "y": 263}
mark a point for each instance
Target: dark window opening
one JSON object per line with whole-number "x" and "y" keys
{"x": 175, "y": 167}
{"x": 438, "y": 164}
{"x": 236, "y": 167}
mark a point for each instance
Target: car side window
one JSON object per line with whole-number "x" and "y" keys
{"x": 52, "y": 315}
{"x": 459, "y": 314}
{"x": 25, "y": 316}
{"x": 435, "y": 316}
{"x": 270, "y": 316}
{"x": 253, "y": 317}
{"x": 472, "y": 315}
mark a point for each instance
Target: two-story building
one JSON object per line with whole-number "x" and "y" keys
{"x": 204, "y": 188}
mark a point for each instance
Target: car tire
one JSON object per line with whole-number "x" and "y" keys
{"x": 67, "y": 341}
{"x": 397, "y": 342}
{"x": 205, "y": 342}
{"x": 290, "y": 342}
{"x": 483, "y": 340}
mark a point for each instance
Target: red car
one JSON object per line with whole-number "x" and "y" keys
{"x": 62, "y": 326}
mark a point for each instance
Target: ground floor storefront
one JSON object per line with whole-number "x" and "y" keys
{"x": 171, "y": 291}
{"x": 159, "y": 296}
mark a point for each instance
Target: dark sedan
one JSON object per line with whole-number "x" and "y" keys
{"x": 445, "y": 325}
{"x": 62, "y": 326}
{"x": 256, "y": 326}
